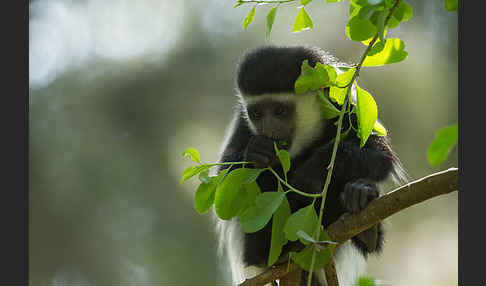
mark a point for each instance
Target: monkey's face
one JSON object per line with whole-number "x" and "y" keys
{"x": 273, "y": 119}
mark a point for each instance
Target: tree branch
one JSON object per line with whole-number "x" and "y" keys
{"x": 349, "y": 225}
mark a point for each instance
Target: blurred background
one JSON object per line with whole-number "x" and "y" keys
{"x": 119, "y": 88}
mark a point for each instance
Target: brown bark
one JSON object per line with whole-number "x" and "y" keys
{"x": 349, "y": 225}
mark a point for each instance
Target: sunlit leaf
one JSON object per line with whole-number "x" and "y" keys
{"x": 379, "y": 129}
{"x": 305, "y": 2}
{"x": 238, "y": 3}
{"x": 328, "y": 109}
{"x": 365, "y": 281}
{"x": 376, "y": 48}
{"x": 445, "y": 139}
{"x": 204, "y": 197}
{"x": 311, "y": 78}
{"x": 450, "y": 5}
{"x": 380, "y": 25}
{"x": 345, "y": 78}
{"x": 278, "y": 239}
{"x": 227, "y": 201}
{"x": 192, "y": 171}
{"x": 192, "y": 153}
{"x": 358, "y": 29}
{"x": 401, "y": 14}
{"x": 337, "y": 94}
{"x": 368, "y": 41}
{"x": 204, "y": 176}
{"x": 392, "y": 52}
{"x": 366, "y": 12}
{"x": 330, "y": 73}
{"x": 302, "y": 21}
{"x": 270, "y": 20}
{"x": 259, "y": 214}
{"x": 367, "y": 113}
{"x": 249, "y": 18}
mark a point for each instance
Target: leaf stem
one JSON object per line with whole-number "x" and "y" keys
{"x": 338, "y": 138}
{"x": 290, "y": 187}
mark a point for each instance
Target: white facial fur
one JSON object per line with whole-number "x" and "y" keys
{"x": 309, "y": 121}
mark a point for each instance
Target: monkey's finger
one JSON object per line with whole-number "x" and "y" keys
{"x": 260, "y": 161}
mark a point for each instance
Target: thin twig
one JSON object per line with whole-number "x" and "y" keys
{"x": 334, "y": 282}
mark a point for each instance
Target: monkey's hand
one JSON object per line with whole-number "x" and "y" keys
{"x": 355, "y": 197}
{"x": 261, "y": 151}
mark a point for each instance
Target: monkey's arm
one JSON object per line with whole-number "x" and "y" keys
{"x": 237, "y": 141}
{"x": 353, "y": 184}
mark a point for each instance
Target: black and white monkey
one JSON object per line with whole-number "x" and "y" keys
{"x": 269, "y": 111}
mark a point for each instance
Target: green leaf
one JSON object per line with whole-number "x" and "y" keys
{"x": 337, "y": 94}
{"x": 401, "y": 14}
{"x": 345, "y": 78}
{"x": 330, "y": 73}
{"x": 328, "y": 109}
{"x": 303, "y": 235}
{"x": 379, "y": 129}
{"x": 366, "y": 12}
{"x": 450, "y": 5}
{"x": 204, "y": 197}
{"x": 380, "y": 25}
{"x": 204, "y": 176}
{"x": 278, "y": 239}
{"x": 252, "y": 190}
{"x": 192, "y": 171}
{"x": 392, "y": 52}
{"x": 304, "y": 257}
{"x": 259, "y": 214}
{"x": 192, "y": 153}
{"x": 302, "y": 21}
{"x": 365, "y": 281}
{"x": 445, "y": 139}
{"x": 304, "y": 219}
{"x": 228, "y": 198}
{"x": 376, "y": 48}
{"x": 284, "y": 157}
{"x": 367, "y": 113}
{"x": 308, "y": 79}
{"x": 270, "y": 20}
{"x": 312, "y": 78}
{"x": 360, "y": 30}
{"x": 368, "y": 41}
{"x": 305, "y": 2}
{"x": 323, "y": 235}
{"x": 238, "y": 3}
{"x": 375, "y": 2}
{"x": 249, "y": 18}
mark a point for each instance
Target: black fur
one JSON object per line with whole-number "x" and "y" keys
{"x": 356, "y": 170}
{"x": 373, "y": 163}
{"x": 279, "y": 69}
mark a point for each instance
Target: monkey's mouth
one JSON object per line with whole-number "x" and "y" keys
{"x": 282, "y": 143}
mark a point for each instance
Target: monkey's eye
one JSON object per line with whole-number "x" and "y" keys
{"x": 254, "y": 114}
{"x": 281, "y": 110}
